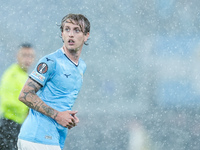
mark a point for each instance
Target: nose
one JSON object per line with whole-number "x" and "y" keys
{"x": 29, "y": 59}
{"x": 71, "y": 33}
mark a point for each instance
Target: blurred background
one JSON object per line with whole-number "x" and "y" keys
{"x": 141, "y": 89}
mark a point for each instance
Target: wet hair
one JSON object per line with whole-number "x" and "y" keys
{"x": 79, "y": 19}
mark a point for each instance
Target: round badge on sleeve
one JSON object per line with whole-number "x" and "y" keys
{"x": 42, "y": 68}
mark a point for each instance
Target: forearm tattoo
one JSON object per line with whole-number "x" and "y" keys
{"x": 31, "y": 99}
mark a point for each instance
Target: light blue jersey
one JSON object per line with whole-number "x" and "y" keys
{"x": 61, "y": 81}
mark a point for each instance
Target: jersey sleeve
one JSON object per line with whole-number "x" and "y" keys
{"x": 44, "y": 70}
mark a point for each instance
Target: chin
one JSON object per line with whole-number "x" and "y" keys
{"x": 74, "y": 49}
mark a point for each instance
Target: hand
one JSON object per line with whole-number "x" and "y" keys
{"x": 76, "y": 120}
{"x": 67, "y": 119}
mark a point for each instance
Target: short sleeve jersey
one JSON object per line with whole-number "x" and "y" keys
{"x": 61, "y": 81}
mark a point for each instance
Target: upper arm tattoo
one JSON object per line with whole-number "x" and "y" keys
{"x": 33, "y": 101}
{"x": 31, "y": 88}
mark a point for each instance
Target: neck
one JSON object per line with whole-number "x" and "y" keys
{"x": 73, "y": 55}
{"x": 23, "y": 68}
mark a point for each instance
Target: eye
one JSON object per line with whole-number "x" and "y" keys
{"x": 77, "y": 30}
{"x": 67, "y": 29}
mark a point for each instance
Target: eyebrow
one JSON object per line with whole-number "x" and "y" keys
{"x": 80, "y": 25}
{"x": 74, "y": 28}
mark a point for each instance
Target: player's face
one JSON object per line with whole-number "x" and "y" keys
{"x": 73, "y": 36}
{"x": 25, "y": 58}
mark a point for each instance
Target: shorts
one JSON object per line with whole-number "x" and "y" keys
{"x": 26, "y": 145}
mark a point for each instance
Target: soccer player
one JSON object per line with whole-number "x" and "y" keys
{"x": 13, "y": 111}
{"x": 52, "y": 88}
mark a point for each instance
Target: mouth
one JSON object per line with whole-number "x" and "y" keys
{"x": 71, "y": 42}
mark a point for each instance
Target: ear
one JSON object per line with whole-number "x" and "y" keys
{"x": 86, "y": 36}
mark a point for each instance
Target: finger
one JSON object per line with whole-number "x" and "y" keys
{"x": 76, "y": 119}
{"x": 72, "y": 124}
{"x": 69, "y": 127}
{"x": 75, "y": 123}
{"x": 71, "y": 118}
{"x": 73, "y": 112}
{"x": 73, "y": 115}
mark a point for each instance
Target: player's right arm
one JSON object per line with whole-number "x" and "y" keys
{"x": 29, "y": 97}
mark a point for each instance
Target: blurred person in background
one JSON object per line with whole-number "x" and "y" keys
{"x": 138, "y": 137}
{"x": 52, "y": 89}
{"x": 14, "y": 112}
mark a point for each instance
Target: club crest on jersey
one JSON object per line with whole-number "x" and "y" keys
{"x": 42, "y": 68}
